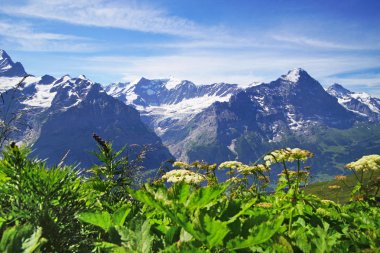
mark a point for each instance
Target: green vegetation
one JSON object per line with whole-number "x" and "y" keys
{"x": 325, "y": 190}
{"x": 183, "y": 210}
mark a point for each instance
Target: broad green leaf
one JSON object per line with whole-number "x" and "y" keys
{"x": 110, "y": 247}
{"x": 119, "y": 216}
{"x": 102, "y": 220}
{"x": 205, "y": 196}
{"x": 182, "y": 192}
{"x": 216, "y": 231}
{"x": 260, "y": 234}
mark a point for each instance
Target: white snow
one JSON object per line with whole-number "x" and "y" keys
{"x": 7, "y": 83}
{"x": 232, "y": 147}
{"x": 172, "y": 83}
{"x": 294, "y": 124}
{"x": 366, "y": 99}
{"x": 292, "y": 76}
{"x": 182, "y": 111}
{"x": 42, "y": 98}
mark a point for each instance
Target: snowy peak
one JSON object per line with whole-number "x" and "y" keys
{"x": 8, "y": 68}
{"x": 358, "y": 102}
{"x": 48, "y": 92}
{"x": 295, "y": 75}
{"x": 155, "y": 92}
{"x": 338, "y": 90}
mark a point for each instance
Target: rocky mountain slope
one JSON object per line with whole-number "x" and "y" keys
{"x": 358, "y": 102}
{"x": 170, "y": 103}
{"x": 60, "y": 115}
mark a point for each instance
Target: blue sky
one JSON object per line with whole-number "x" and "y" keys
{"x": 204, "y": 41}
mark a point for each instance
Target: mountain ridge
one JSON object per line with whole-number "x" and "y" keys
{"x": 61, "y": 114}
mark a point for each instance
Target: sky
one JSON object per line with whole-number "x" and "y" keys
{"x": 204, "y": 41}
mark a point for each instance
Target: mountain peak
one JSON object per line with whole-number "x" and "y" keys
{"x": 8, "y": 68}
{"x": 338, "y": 90}
{"x": 294, "y": 75}
{"x": 172, "y": 83}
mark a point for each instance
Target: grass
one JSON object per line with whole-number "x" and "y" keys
{"x": 342, "y": 195}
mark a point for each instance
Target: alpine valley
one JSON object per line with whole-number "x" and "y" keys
{"x": 214, "y": 122}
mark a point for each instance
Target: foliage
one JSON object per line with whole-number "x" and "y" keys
{"x": 56, "y": 210}
{"x": 45, "y": 198}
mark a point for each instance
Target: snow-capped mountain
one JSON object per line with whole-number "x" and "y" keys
{"x": 60, "y": 115}
{"x": 8, "y": 68}
{"x": 294, "y": 104}
{"x": 170, "y": 103}
{"x": 359, "y": 103}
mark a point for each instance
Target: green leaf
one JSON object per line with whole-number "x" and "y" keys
{"x": 216, "y": 231}
{"x": 34, "y": 242}
{"x": 119, "y": 216}
{"x": 205, "y": 196}
{"x": 110, "y": 247}
{"x": 260, "y": 234}
{"x": 102, "y": 220}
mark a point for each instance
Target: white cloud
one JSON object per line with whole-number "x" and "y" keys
{"x": 300, "y": 40}
{"x": 23, "y": 36}
{"x": 209, "y": 67}
{"x": 101, "y": 13}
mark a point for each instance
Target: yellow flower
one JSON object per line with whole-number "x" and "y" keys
{"x": 369, "y": 162}
{"x": 340, "y": 178}
{"x": 334, "y": 187}
{"x": 264, "y": 205}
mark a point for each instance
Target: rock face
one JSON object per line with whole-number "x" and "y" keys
{"x": 295, "y": 103}
{"x": 359, "y": 103}
{"x": 170, "y": 103}
{"x": 223, "y": 122}
{"x": 8, "y": 68}
{"x": 60, "y": 115}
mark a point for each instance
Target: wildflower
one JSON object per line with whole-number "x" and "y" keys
{"x": 264, "y": 205}
{"x": 287, "y": 154}
{"x": 181, "y": 165}
{"x": 323, "y": 212}
{"x": 359, "y": 198}
{"x": 246, "y": 169}
{"x": 187, "y": 176}
{"x": 334, "y": 187}
{"x": 340, "y": 178}
{"x": 327, "y": 201}
{"x": 369, "y": 162}
{"x": 234, "y": 180}
{"x": 230, "y": 165}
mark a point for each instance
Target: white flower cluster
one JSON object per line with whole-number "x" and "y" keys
{"x": 187, "y": 176}
{"x": 243, "y": 168}
{"x": 181, "y": 165}
{"x": 253, "y": 168}
{"x": 288, "y": 155}
{"x": 369, "y": 162}
{"x": 230, "y": 165}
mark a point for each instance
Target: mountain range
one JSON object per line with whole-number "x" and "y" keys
{"x": 214, "y": 122}
{"x": 60, "y": 115}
